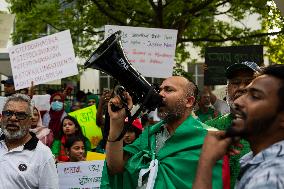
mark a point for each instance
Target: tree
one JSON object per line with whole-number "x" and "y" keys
{"x": 195, "y": 20}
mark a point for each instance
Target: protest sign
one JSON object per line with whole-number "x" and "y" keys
{"x": 218, "y": 59}
{"x": 87, "y": 120}
{"x": 41, "y": 102}
{"x": 95, "y": 156}
{"x": 150, "y": 50}
{"x": 80, "y": 175}
{"x": 2, "y": 101}
{"x": 45, "y": 59}
{"x": 6, "y": 23}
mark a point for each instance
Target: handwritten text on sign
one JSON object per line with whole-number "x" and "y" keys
{"x": 84, "y": 174}
{"x": 43, "y": 60}
{"x": 87, "y": 120}
{"x": 150, "y": 50}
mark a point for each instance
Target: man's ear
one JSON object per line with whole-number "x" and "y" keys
{"x": 190, "y": 101}
{"x": 1, "y": 117}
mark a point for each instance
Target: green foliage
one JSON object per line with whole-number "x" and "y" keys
{"x": 195, "y": 21}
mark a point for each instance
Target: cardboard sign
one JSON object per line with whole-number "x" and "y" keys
{"x": 45, "y": 59}
{"x": 218, "y": 59}
{"x": 150, "y": 50}
{"x": 41, "y": 102}
{"x": 87, "y": 120}
{"x": 80, "y": 175}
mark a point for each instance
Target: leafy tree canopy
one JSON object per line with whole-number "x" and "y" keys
{"x": 195, "y": 21}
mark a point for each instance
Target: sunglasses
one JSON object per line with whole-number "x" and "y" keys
{"x": 19, "y": 115}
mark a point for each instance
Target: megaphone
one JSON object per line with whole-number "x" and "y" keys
{"x": 111, "y": 59}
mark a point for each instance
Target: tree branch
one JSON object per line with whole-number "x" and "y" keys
{"x": 232, "y": 38}
{"x": 107, "y": 14}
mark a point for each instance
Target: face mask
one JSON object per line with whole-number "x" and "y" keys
{"x": 57, "y": 106}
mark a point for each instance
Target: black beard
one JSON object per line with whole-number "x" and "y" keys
{"x": 170, "y": 118}
{"x": 258, "y": 127}
{"x": 172, "y": 114}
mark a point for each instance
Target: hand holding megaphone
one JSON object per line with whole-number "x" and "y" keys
{"x": 120, "y": 105}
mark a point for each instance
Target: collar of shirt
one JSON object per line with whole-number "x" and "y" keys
{"x": 30, "y": 145}
{"x": 268, "y": 153}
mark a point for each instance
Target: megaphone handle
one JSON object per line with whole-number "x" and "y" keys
{"x": 132, "y": 118}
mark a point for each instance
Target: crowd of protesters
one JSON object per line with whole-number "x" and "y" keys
{"x": 168, "y": 148}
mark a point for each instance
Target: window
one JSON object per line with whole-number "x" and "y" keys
{"x": 197, "y": 73}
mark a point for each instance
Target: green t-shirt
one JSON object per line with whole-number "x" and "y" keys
{"x": 222, "y": 123}
{"x": 210, "y": 114}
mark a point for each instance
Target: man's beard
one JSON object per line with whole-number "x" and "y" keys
{"x": 10, "y": 135}
{"x": 171, "y": 114}
{"x": 258, "y": 127}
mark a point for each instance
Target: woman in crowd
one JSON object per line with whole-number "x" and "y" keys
{"x": 75, "y": 148}
{"x": 69, "y": 127}
{"x": 55, "y": 115}
{"x": 43, "y": 133}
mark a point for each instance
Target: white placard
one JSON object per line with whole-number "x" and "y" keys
{"x": 79, "y": 175}
{"x": 2, "y": 101}
{"x": 150, "y": 50}
{"x": 45, "y": 59}
{"x": 41, "y": 102}
{"x": 6, "y": 24}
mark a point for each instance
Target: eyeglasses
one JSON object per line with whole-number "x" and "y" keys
{"x": 19, "y": 115}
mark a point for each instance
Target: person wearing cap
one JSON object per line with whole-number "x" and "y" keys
{"x": 133, "y": 132}
{"x": 258, "y": 118}
{"x": 238, "y": 75}
{"x": 9, "y": 88}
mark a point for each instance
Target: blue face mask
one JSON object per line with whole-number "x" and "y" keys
{"x": 56, "y": 106}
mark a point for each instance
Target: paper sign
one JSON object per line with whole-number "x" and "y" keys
{"x": 150, "y": 50}
{"x": 218, "y": 59}
{"x": 6, "y": 23}
{"x": 41, "y": 102}
{"x": 87, "y": 120}
{"x": 95, "y": 156}
{"x": 45, "y": 59}
{"x": 80, "y": 175}
{"x": 2, "y": 101}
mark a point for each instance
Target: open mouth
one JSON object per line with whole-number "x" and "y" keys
{"x": 12, "y": 127}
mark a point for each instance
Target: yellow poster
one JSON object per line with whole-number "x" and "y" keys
{"x": 87, "y": 119}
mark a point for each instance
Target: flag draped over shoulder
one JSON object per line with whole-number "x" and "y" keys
{"x": 178, "y": 159}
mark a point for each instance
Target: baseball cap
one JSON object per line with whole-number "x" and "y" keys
{"x": 9, "y": 80}
{"x": 241, "y": 66}
{"x": 136, "y": 123}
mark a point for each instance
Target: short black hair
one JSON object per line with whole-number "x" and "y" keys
{"x": 277, "y": 70}
{"x": 72, "y": 139}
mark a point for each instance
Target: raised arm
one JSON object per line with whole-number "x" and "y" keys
{"x": 115, "y": 156}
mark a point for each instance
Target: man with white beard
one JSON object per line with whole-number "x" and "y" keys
{"x": 25, "y": 161}
{"x": 238, "y": 75}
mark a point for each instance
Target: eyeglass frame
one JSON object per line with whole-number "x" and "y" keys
{"x": 6, "y": 112}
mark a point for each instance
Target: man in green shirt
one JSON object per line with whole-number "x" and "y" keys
{"x": 166, "y": 154}
{"x": 239, "y": 75}
{"x": 205, "y": 110}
